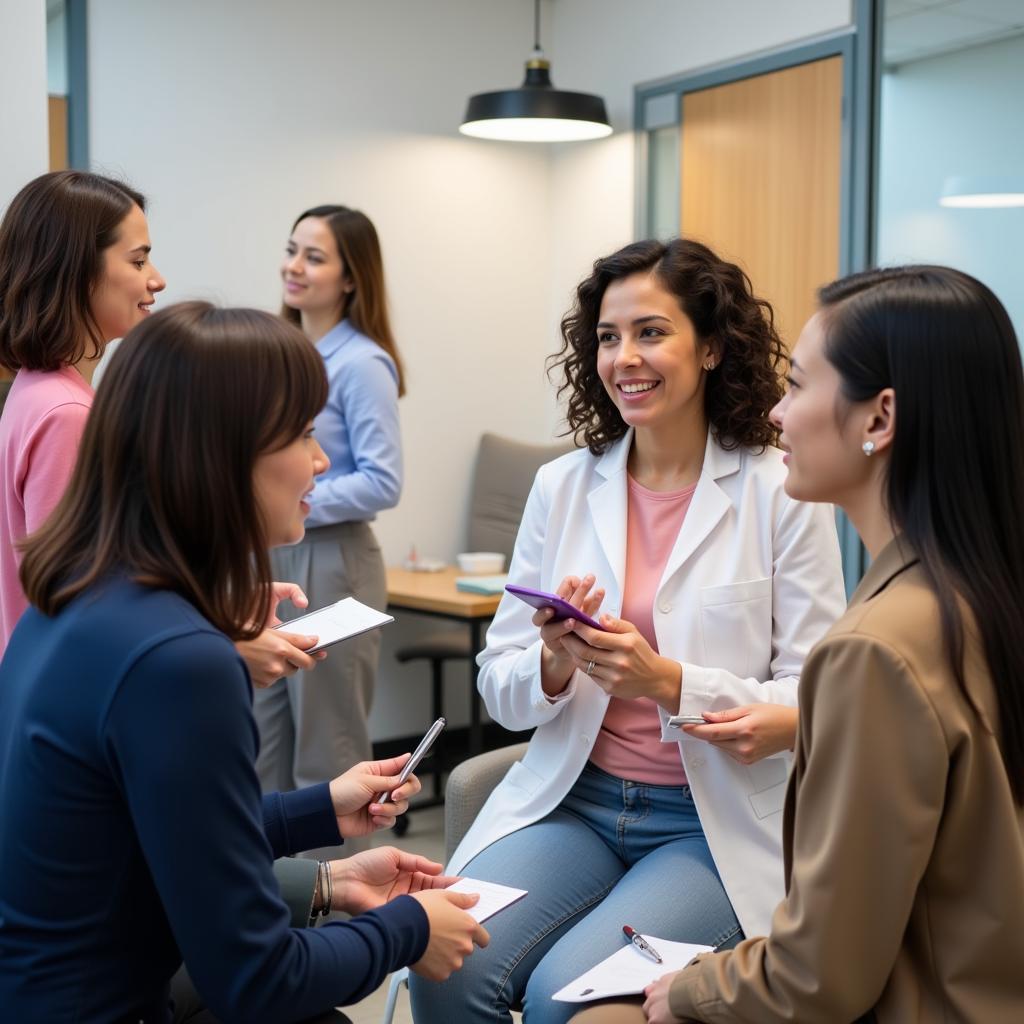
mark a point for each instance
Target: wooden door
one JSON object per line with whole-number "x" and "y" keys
{"x": 760, "y": 180}
{"x": 58, "y": 117}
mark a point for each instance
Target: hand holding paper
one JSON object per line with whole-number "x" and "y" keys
{"x": 336, "y": 622}
{"x": 493, "y": 897}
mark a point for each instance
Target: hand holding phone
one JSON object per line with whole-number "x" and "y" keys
{"x": 562, "y": 608}
{"x": 421, "y": 751}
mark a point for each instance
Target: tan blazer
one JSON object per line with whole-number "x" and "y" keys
{"x": 904, "y": 848}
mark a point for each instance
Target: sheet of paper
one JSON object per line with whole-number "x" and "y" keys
{"x": 493, "y": 897}
{"x": 336, "y": 622}
{"x": 629, "y": 972}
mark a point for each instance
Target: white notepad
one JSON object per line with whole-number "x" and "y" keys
{"x": 628, "y": 972}
{"x": 493, "y": 897}
{"x": 336, "y": 622}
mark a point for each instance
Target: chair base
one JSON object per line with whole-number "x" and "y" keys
{"x": 398, "y": 979}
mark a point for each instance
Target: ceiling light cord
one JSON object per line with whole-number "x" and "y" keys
{"x": 536, "y": 111}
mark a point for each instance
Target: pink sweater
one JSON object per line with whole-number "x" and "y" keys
{"x": 40, "y": 430}
{"x": 629, "y": 745}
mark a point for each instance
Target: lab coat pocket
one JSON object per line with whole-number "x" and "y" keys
{"x": 736, "y": 620}
{"x": 523, "y": 778}
{"x": 769, "y": 779}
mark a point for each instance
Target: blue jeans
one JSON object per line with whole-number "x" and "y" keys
{"x": 614, "y": 852}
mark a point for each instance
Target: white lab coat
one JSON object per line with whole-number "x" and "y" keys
{"x": 753, "y": 582}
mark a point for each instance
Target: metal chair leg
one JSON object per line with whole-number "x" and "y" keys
{"x": 437, "y": 703}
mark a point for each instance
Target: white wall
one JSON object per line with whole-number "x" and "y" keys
{"x": 24, "y": 132}
{"x": 233, "y": 117}
{"x": 954, "y": 115}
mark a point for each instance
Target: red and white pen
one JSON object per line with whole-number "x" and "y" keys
{"x": 641, "y": 943}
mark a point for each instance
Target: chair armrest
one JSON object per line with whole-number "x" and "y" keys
{"x": 469, "y": 786}
{"x": 296, "y": 877}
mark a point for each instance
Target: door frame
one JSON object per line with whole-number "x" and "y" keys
{"x": 77, "y": 14}
{"x": 658, "y": 104}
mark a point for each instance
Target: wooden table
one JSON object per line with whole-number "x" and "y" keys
{"x": 434, "y": 594}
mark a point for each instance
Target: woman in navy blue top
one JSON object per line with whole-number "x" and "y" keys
{"x": 133, "y": 831}
{"x": 314, "y": 725}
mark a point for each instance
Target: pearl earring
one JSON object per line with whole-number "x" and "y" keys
{"x": 868, "y": 448}
{"x": 709, "y": 365}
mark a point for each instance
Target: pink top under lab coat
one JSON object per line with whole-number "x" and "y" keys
{"x": 629, "y": 745}
{"x": 40, "y": 431}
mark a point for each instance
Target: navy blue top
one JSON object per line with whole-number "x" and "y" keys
{"x": 132, "y": 831}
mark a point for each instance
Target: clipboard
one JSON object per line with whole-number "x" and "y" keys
{"x": 628, "y": 972}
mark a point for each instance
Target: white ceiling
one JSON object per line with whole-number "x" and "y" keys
{"x": 915, "y": 29}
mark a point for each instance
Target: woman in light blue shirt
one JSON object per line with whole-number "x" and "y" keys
{"x": 313, "y": 726}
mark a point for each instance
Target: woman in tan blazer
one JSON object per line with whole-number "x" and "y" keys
{"x": 903, "y": 825}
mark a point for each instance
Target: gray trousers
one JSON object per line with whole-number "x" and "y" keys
{"x": 313, "y": 725}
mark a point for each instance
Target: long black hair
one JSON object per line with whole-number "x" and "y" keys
{"x": 955, "y": 486}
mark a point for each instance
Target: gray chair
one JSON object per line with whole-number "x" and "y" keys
{"x": 502, "y": 478}
{"x": 469, "y": 786}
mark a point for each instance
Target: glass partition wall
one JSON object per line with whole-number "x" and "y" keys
{"x": 950, "y": 178}
{"x": 931, "y": 158}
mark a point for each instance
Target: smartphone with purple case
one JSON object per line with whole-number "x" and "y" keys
{"x": 542, "y": 599}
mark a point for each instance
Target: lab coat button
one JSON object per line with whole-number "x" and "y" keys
{"x": 585, "y": 740}
{"x": 697, "y": 762}
{"x": 540, "y": 705}
{"x": 665, "y": 607}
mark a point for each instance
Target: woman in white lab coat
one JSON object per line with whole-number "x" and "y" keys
{"x": 712, "y": 585}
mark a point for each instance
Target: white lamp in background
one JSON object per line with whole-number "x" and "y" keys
{"x": 983, "y": 193}
{"x": 536, "y": 111}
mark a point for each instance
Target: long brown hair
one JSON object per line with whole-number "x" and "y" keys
{"x": 52, "y": 240}
{"x": 163, "y": 486}
{"x": 718, "y": 298}
{"x": 366, "y": 305}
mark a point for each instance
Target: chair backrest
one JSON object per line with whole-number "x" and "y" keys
{"x": 469, "y": 785}
{"x": 502, "y": 480}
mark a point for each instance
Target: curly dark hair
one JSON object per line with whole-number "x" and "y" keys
{"x": 718, "y": 298}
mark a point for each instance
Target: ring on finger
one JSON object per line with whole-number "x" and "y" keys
{"x": 590, "y": 667}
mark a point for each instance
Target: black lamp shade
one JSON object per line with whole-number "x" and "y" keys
{"x": 536, "y": 112}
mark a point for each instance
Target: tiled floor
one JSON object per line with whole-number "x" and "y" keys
{"x": 426, "y": 837}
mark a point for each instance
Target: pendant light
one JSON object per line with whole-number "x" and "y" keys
{"x": 983, "y": 193}
{"x": 536, "y": 111}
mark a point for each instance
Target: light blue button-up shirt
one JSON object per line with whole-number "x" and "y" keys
{"x": 358, "y": 429}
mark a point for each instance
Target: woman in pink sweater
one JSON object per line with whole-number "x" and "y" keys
{"x": 74, "y": 274}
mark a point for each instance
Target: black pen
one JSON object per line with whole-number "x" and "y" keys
{"x": 641, "y": 943}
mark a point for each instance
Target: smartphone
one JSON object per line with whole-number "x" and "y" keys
{"x": 418, "y": 754}
{"x": 563, "y": 610}
{"x": 678, "y": 720}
